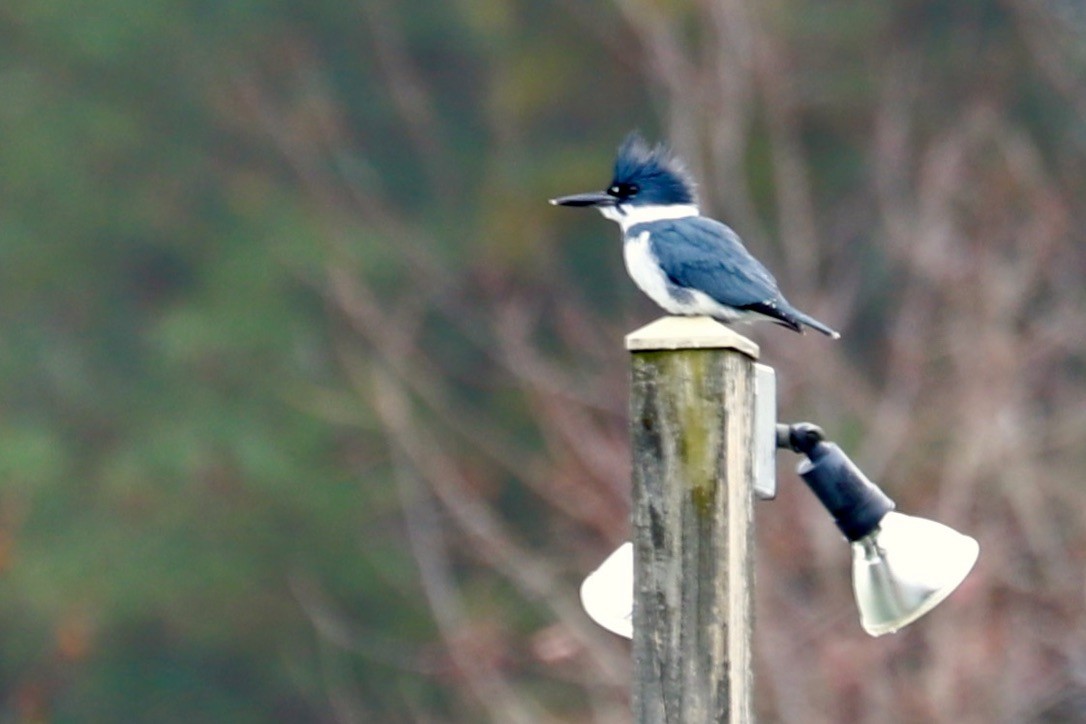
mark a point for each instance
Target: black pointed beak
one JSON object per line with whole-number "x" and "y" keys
{"x": 593, "y": 198}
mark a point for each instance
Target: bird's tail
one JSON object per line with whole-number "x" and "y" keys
{"x": 783, "y": 313}
{"x": 814, "y": 324}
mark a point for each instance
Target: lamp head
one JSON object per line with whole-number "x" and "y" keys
{"x": 607, "y": 593}
{"x": 906, "y": 567}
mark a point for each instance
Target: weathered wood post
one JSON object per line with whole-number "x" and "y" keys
{"x": 691, "y": 410}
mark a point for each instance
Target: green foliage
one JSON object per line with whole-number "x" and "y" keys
{"x": 164, "y": 481}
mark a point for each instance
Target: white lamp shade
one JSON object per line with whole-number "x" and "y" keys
{"x": 607, "y": 593}
{"x": 905, "y": 568}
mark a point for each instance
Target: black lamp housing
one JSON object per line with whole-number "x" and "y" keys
{"x": 856, "y": 504}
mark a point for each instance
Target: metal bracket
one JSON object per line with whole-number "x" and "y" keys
{"x": 765, "y": 432}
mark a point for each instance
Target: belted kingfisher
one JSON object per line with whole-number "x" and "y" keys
{"x": 689, "y": 264}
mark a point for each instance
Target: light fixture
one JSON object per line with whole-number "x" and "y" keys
{"x": 902, "y": 567}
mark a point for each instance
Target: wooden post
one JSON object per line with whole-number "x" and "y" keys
{"x": 691, "y": 420}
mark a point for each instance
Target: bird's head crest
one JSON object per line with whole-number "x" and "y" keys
{"x": 646, "y": 175}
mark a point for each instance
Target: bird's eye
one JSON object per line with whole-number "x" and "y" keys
{"x": 623, "y": 191}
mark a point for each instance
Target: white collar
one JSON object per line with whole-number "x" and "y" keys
{"x": 627, "y": 215}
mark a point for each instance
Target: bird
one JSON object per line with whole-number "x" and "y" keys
{"x": 689, "y": 264}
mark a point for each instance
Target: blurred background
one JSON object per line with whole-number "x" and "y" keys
{"x": 314, "y": 410}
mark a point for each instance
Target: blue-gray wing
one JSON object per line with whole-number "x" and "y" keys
{"x": 704, "y": 254}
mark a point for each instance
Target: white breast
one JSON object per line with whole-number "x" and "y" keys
{"x": 646, "y": 273}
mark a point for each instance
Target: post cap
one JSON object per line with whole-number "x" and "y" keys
{"x": 689, "y": 333}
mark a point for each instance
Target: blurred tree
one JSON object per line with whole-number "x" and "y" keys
{"x": 312, "y": 409}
